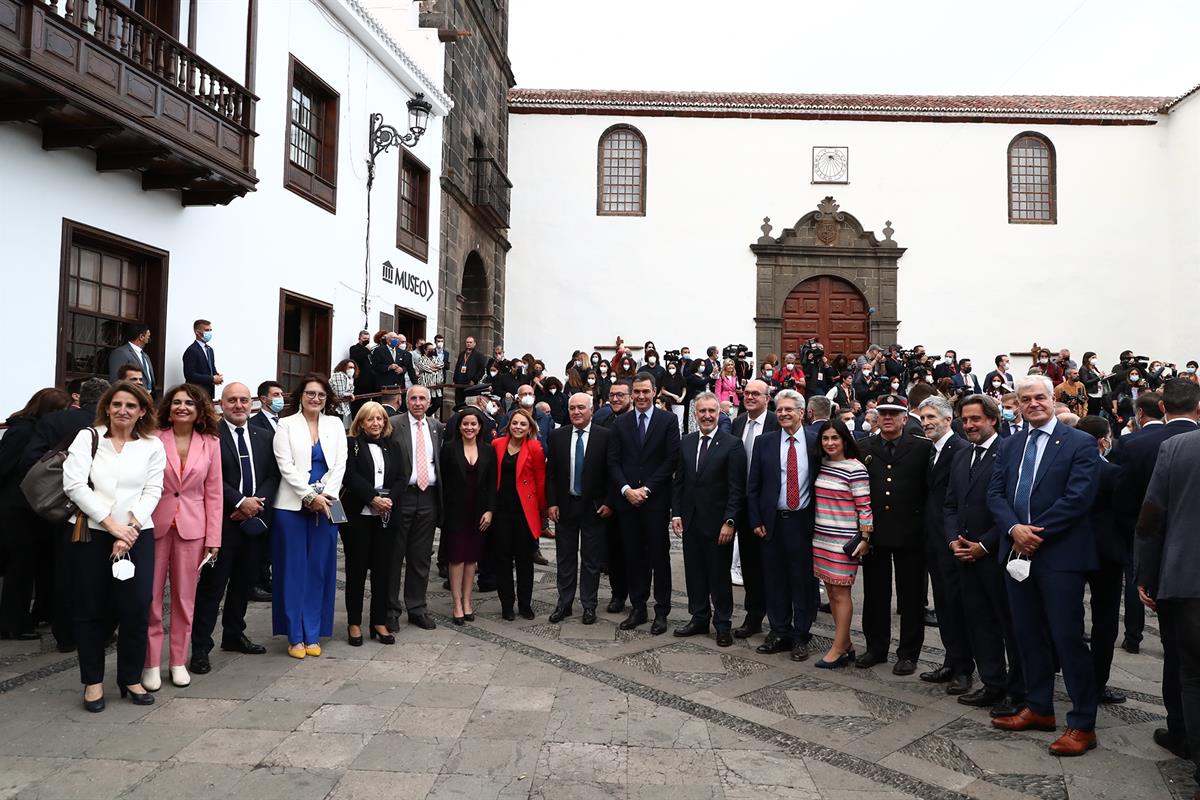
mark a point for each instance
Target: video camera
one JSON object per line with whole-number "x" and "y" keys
{"x": 811, "y": 351}
{"x": 672, "y": 356}
{"x": 736, "y": 352}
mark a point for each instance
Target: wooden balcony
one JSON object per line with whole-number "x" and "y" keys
{"x": 94, "y": 74}
{"x": 490, "y": 189}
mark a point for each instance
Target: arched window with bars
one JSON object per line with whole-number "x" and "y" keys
{"x": 621, "y": 172}
{"x": 1032, "y": 182}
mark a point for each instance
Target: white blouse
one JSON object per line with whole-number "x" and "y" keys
{"x": 125, "y": 485}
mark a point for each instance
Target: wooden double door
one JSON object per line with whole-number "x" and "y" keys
{"x": 830, "y": 310}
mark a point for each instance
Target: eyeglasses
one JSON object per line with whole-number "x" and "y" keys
{"x": 314, "y": 395}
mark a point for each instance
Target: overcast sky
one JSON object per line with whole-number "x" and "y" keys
{"x": 1146, "y": 47}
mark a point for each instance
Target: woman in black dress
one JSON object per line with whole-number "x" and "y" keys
{"x": 468, "y": 496}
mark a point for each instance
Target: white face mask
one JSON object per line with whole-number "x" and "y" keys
{"x": 402, "y": 346}
{"x": 123, "y": 568}
{"x": 591, "y": 381}
{"x": 527, "y": 400}
{"x": 670, "y": 370}
{"x": 895, "y": 386}
{"x": 349, "y": 374}
{"x": 1018, "y": 567}
{"x": 929, "y": 379}
{"x": 492, "y": 373}
{"x": 491, "y": 408}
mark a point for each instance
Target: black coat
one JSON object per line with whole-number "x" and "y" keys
{"x": 650, "y": 464}
{"x": 965, "y": 512}
{"x": 55, "y": 429}
{"x": 266, "y": 469}
{"x": 938, "y": 481}
{"x": 596, "y": 488}
{"x": 382, "y": 360}
{"x": 1137, "y": 453}
{"x": 364, "y": 378}
{"x": 454, "y": 482}
{"x": 899, "y": 489}
{"x": 360, "y": 473}
{"x": 469, "y": 368}
{"x": 1114, "y": 542}
{"x": 12, "y": 446}
{"x": 706, "y": 497}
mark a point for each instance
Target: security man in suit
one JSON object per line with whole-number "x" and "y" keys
{"x": 971, "y": 535}
{"x": 706, "y": 499}
{"x": 393, "y": 364}
{"x": 966, "y": 377}
{"x": 1041, "y": 495}
{"x": 250, "y": 477}
{"x": 469, "y": 369}
{"x": 757, "y": 420}
{"x": 580, "y": 500}
{"x": 898, "y": 463}
{"x": 199, "y": 361}
{"x": 133, "y": 351}
{"x": 364, "y": 376}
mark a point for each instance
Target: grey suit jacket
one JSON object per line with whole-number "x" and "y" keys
{"x": 401, "y": 435}
{"x": 1168, "y": 544}
{"x": 125, "y": 355}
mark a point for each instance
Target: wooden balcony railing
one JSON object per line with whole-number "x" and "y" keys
{"x": 490, "y": 189}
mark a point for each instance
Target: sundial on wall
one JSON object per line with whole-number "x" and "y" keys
{"x": 831, "y": 165}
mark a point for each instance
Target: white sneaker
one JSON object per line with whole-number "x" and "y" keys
{"x": 735, "y": 575}
{"x": 179, "y": 676}
{"x": 151, "y": 679}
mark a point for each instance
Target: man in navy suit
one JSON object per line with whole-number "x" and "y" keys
{"x": 780, "y": 496}
{"x": 757, "y": 420}
{"x": 393, "y": 363}
{"x": 250, "y": 478}
{"x": 199, "y": 363}
{"x": 966, "y": 377}
{"x": 641, "y": 465}
{"x": 1041, "y": 495}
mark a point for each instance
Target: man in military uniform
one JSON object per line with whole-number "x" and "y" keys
{"x": 898, "y": 463}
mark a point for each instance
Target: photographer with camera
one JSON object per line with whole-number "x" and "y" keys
{"x": 815, "y": 366}
{"x": 867, "y": 381}
{"x": 791, "y": 376}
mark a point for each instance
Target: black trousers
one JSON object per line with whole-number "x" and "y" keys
{"x": 750, "y": 551}
{"x": 791, "y": 589}
{"x": 1105, "y": 584}
{"x": 946, "y": 576}
{"x": 264, "y": 561}
{"x": 20, "y": 566}
{"x": 1135, "y": 612}
{"x": 614, "y": 556}
{"x": 62, "y": 599}
{"x": 233, "y": 576}
{"x": 910, "y": 599}
{"x": 993, "y": 642}
{"x": 1179, "y": 626}
{"x": 647, "y": 547}
{"x": 98, "y": 600}
{"x": 706, "y": 565}
{"x": 579, "y": 546}
{"x": 414, "y": 516}
{"x": 508, "y": 544}
{"x": 368, "y": 546}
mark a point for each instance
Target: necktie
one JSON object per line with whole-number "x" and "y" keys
{"x": 749, "y": 442}
{"x": 1028, "y": 473}
{"x": 422, "y": 459}
{"x": 793, "y": 476}
{"x": 976, "y": 457}
{"x": 933, "y": 456}
{"x": 212, "y": 368}
{"x": 891, "y": 449}
{"x": 148, "y": 373}
{"x": 247, "y": 467}
{"x": 577, "y": 476}
{"x": 641, "y": 427}
{"x": 703, "y": 452}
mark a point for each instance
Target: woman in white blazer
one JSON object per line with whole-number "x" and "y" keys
{"x": 310, "y": 447}
{"x": 117, "y": 491}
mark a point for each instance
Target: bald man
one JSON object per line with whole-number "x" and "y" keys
{"x": 580, "y": 498}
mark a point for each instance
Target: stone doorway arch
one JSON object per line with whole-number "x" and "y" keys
{"x": 825, "y": 242}
{"x": 476, "y": 318}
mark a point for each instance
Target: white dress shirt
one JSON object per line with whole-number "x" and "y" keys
{"x": 377, "y": 460}
{"x": 801, "y": 469}
{"x": 940, "y": 443}
{"x": 412, "y": 434}
{"x": 575, "y": 441}
{"x": 125, "y": 485}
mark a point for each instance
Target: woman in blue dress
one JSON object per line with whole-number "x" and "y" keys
{"x": 310, "y": 446}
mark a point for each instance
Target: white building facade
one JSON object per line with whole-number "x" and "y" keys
{"x": 213, "y": 168}
{"x": 975, "y": 223}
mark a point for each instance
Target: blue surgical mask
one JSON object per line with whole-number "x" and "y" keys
{"x": 277, "y": 404}
{"x": 206, "y": 337}
{"x": 1008, "y": 414}
{"x": 394, "y": 342}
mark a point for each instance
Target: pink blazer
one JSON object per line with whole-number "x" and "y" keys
{"x": 191, "y": 502}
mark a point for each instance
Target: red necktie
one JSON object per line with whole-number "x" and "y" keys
{"x": 793, "y": 476}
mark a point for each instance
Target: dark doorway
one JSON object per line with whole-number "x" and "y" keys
{"x": 410, "y": 324}
{"x": 305, "y": 338}
{"x": 477, "y": 306}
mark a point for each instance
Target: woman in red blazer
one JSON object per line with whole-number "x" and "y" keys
{"x": 187, "y": 522}
{"x": 520, "y": 501}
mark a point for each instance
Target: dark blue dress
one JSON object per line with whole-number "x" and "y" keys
{"x": 304, "y": 567}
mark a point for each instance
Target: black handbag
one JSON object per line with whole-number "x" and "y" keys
{"x": 849, "y": 547}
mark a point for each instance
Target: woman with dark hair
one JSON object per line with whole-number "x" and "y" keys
{"x": 468, "y": 495}
{"x": 310, "y": 447}
{"x": 842, "y": 393}
{"x": 20, "y": 524}
{"x": 672, "y": 390}
{"x": 843, "y": 509}
{"x": 116, "y": 487}
{"x": 520, "y": 501}
{"x": 596, "y": 359}
{"x": 604, "y": 382}
{"x": 187, "y": 523}
{"x": 341, "y": 380}
{"x": 429, "y": 373}
{"x": 651, "y": 365}
{"x": 625, "y": 368}
{"x": 1090, "y": 375}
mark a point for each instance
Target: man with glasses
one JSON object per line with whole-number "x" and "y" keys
{"x": 747, "y": 554}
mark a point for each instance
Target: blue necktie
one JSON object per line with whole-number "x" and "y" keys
{"x": 208, "y": 353}
{"x": 1028, "y": 473}
{"x": 577, "y": 479}
{"x": 247, "y": 468}
{"x": 642, "y": 427}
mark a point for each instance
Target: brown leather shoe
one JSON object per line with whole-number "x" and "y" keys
{"x": 1026, "y": 720}
{"x": 1073, "y": 743}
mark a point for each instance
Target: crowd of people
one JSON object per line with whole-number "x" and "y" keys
{"x": 1012, "y": 497}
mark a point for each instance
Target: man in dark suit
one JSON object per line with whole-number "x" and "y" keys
{"x": 967, "y": 377}
{"x": 469, "y": 369}
{"x": 706, "y": 499}
{"x": 780, "y": 492}
{"x": 271, "y": 402}
{"x": 250, "y": 477}
{"x": 1002, "y": 372}
{"x": 747, "y": 428}
{"x": 619, "y": 402}
{"x": 1011, "y": 424}
{"x": 580, "y": 500}
{"x": 944, "y": 572}
{"x": 364, "y": 377}
{"x": 137, "y": 339}
{"x": 418, "y": 438}
{"x": 640, "y": 467}
{"x": 199, "y": 361}
{"x": 393, "y": 364}
{"x": 1041, "y": 495}
{"x": 973, "y": 538}
{"x": 898, "y": 463}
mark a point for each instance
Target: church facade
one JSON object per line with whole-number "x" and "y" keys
{"x": 981, "y": 224}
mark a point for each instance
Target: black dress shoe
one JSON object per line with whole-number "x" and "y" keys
{"x": 939, "y": 675}
{"x": 20, "y": 636}
{"x": 692, "y": 628}
{"x": 94, "y": 706}
{"x": 200, "y": 664}
{"x": 959, "y": 684}
{"x": 243, "y": 645}
{"x": 1008, "y": 707}
{"x": 485, "y": 586}
{"x": 559, "y": 614}
{"x": 589, "y": 616}
{"x": 747, "y": 629}
{"x": 508, "y": 615}
{"x": 931, "y": 618}
{"x": 635, "y": 618}
{"x": 774, "y": 644}
{"x": 138, "y": 698}
{"x": 1130, "y": 646}
{"x": 540, "y": 559}
{"x": 868, "y": 660}
{"x": 659, "y": 626}
{"x": 527, "y": 613}
{"x": 825, "y": 608}
{"x": 446, "y": 584}
{"x": 1164, "y": 739}
{"x": 904, "y": 666}
{"x": 459, "y": 621}
{"x": 423, "y": 621}
{"x": 65, "y": 647}
{"x": 981, "y": 697}
{"x": 260, "y": 595}
{"x": 724, "y": 638}
{"x": 383, "y": 638}
{"x": 615, "y": 606}
{"x": 1111, "y": 697}
{"x": 799, "y": 651}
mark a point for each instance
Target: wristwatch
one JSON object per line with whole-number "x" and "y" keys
{"x": 730, "y": 523}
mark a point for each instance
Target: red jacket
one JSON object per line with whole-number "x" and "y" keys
{"x": 531, "y": 479}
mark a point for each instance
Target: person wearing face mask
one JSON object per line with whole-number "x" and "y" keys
{"x": 364, "y": 376}
{"x": 595, "y": 360}
{"x": 1002, "y": 372}
{"x": 429, "y": 372}
{"x": 603, "y": 382}
{"x": 527, "y": 401}
{"x": 651, "y": 365}
{"x": 1123, "y": 405}
{"x": 199, "y": 362}
{"x": 342, "y": 381}
{"x": 672, "y": 391}
{"x": 393, "y": 364}
{"x": 947, "y": 367}
{"x": 966, "y": 377}
{"x": 866, "y": 383}
{"x": 1050, "y": 368}
{"x": 271, "y": 402}
{"x": 1091, "y": 375}
{"x": 554, "y": 395}
{"x": 1010, "y": 416}
{"x": 625, "y": 368}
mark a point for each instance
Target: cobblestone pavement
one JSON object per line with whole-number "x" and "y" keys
{"x": 534, "y": 710}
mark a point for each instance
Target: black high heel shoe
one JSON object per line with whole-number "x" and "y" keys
{"x": 355, "y": 641}
{"x": 384, "y": 638}
{"x": 94, "y": 706}
{"x": 138, "y": 698}
{"x": 20, "y": 636}
{"x": 460, "y": 620}
{"x": 469, "y": 617}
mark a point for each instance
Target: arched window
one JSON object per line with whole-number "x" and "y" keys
{"x": 1032, "y": 184}
{"x": 621, "y": 172}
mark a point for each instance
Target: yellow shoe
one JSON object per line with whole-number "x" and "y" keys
{"x": 312, "y": 649}
{"x": 296, "y": 651}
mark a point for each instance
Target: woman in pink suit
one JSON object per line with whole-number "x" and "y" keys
{"x": 187, "y": 522}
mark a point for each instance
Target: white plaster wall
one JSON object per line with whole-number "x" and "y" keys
{"x": 1180, "y": 203}
{"x": 684, "y": 273}
{"x": 227, "y": 263}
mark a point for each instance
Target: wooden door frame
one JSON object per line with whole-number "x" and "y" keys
{"x": 327, "y": 340}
